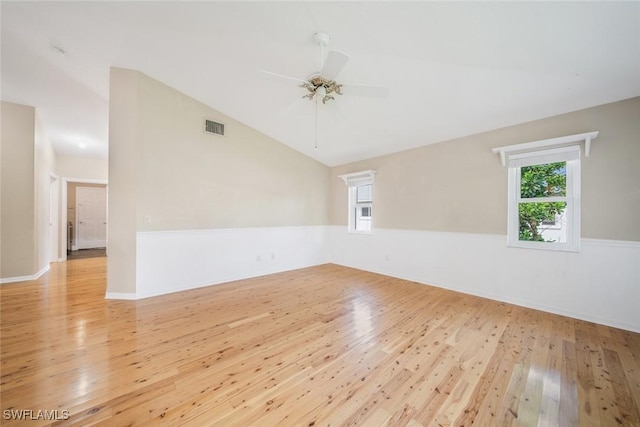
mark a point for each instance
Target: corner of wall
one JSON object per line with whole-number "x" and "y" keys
{"x": 122, "y": 190}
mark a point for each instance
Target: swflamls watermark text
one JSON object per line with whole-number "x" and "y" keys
{"x": 36, "y": 414}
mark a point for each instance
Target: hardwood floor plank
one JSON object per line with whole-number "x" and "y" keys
{"x": 588, "y": 394}
{"x": 569, "y": 404}
{"x": 630, "y": 367}
{"x": 623, "y": 401}
{"x": 325, "y": 345}
{"x": 549, "y": 412}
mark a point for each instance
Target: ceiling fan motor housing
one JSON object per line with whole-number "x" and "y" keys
{"x": 322, "y": 38}
{"x": 317, "y": 85}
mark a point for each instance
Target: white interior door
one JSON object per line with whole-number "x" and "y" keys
{"x": 91, "y": 217}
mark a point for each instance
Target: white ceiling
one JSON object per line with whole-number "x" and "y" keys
{"x": 453, "y": 68}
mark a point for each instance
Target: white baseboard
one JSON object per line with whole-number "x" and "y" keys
{"x": 120, "y": 295}
{"x": 599, "y": 284}
{"x": 26, "y": 278}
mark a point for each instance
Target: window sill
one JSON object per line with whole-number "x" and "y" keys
{"x": 360, "y": 232}
{"x": 545, "y": 246}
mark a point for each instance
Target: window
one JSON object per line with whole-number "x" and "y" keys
{"x": 360, "y": 201}
{"x": 544, "y": 192}
{"x": 543, "y": 207}
{"x": 363, "y": 207}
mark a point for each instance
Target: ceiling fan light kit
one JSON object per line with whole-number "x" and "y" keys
{"x": 322, "y": 85}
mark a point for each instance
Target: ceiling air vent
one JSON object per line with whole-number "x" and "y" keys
{"x": 213, "y": 127}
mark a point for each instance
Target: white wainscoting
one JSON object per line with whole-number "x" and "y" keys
{"x": 601, "y": 283}
{"x": 171, "y": 261}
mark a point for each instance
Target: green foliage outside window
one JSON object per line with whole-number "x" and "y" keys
{"x": 539, "y": 181}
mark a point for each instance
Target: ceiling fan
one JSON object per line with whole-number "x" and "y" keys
{"x": 322, "y": 85}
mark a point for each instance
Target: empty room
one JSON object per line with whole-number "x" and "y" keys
{"x": 320, "y": 213}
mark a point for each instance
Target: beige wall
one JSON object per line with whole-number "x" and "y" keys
{"x": 460, "y": 185}
{"x": 123, "y": 161}
{"x": 165, "y": 173}
{"x": 188, "y": 179}
{"x": 83, "y": 168}
{"x": 28, "y": 170}
{"x": 17, "y": 214}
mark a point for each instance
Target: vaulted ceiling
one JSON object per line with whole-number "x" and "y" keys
{"x": 452, "y": 68}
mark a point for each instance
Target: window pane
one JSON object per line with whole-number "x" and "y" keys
{"x": 543, "y": 222}
{"x": 363, "y": 223}
{"x": 545, "y": 180}
{"x": 363, "y": 218}
{"x": 364, "y": 193}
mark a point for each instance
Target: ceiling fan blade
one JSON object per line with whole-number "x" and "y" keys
{"x": 372, "y": 91}
{"x": 333, "y": 64}
{"x": 294, "y": 109}
{"x": 280, "y": 77}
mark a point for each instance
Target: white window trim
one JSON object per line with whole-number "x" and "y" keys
{"x": 568, "y": 140}
{"x": 572, "y": 211}
{"x": 352, "y": 181}
{"x": 540, "y": 152}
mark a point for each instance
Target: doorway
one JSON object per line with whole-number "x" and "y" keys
{"x": 87, "y": 253}
{"x": 94, "y": 218}
{"x": 91, "y": 218}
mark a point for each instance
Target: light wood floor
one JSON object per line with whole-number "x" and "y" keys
{"x": 322, "y": 346}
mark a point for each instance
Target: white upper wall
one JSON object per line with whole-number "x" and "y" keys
{"x": 83, "y": 168}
